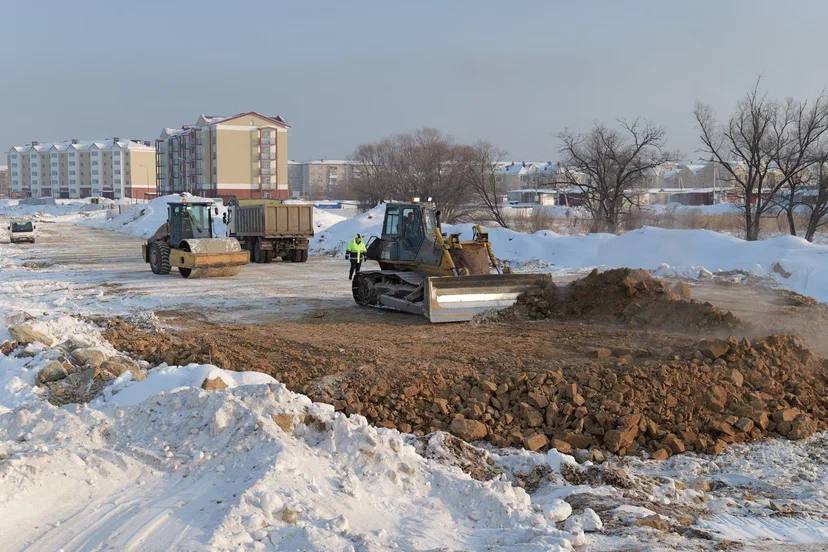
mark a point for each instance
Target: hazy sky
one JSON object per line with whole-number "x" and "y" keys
{"x": 347, "y": 72}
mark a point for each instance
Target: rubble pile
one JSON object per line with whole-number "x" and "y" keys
{"x": 723, "y": 391}
{"x": 72, "y": 371}
{"x": 622, "y": 295}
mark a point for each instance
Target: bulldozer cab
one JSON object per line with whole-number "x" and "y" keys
{"x": 408, "y": 234}
{"x": 189, "y": 221}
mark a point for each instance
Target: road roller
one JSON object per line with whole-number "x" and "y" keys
{"x": 186, "y": 241}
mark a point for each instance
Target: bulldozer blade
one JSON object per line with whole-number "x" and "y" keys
{"x": 461, "y": 298}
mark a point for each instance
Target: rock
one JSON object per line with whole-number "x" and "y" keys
{"x": 785, "y": 415}
{"x": 718, "y": 447}
{"x": 715, "y": 348}
{"x": 603, "y": 352}
{"x": 761, "y": 419}
{"x": 717, "y": 398}
{"x": 655, "y": 521}
{"x": 535, "y": 442}
{"x": 290, "y": 515}
{"x": 736, "y": 377}
{"x": 673, "y": 443}
{"x": 489, "y": 386}
{"x": 118, "y": 365}
{"x": 744, "y": 424}
{"x": 660, "y": 454}
{"x": 537, "y": 399}
{"x": 468, "y": 430}
{"x": 53, "y": 371}
{"x": 578, "y": 440}
{"x": 441, "y": 405}
{"x": 723, "y": 428}
{"x": 26, "y": 332}
{"x": 561, "y": 446}
{"x": 582, "y": 455}
{"x": 284, "y": 421}
{"x": 92, "y": 357}
{"x": 613, "y": 440}
{"x": 598, "y": 456}
{"x": 7, "y": 347}
{"x": 213, "y": 384}
{"x": 802, "y": 427}
{"x": 532, "y": 417}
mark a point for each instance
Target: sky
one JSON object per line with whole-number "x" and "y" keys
{"x": 343, "y": 73}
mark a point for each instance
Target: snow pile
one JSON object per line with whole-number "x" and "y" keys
{"x": 65, "y": 209}
{"x": 334, "y": 239}
{"x": 143, "y": 219}
{"x": 792, "y": 262}
{"x": 160, "y": 463}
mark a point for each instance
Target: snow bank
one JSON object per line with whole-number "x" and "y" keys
{"x": 792, "y": 262}
{"x": 334, "y": 239}
{"x": 253, "y": 467}
{"x": 143, "y": 219}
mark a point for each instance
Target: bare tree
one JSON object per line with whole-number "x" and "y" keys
{"x": 763, "y": 147}
{"x": 818, "y": 206}
{"x": 609, "y": 164}
{"x": 483, "y": 180}
{"x": 424, "y": 163}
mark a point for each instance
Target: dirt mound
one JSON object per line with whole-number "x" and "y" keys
{"x": 588, "y": 389}
{"x": 623, "y": 296}
{"x": 703, "y": 399}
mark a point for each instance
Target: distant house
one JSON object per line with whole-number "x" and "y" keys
{"x": 322, "y": 178}
{"x": 531, "y": 197}
{"x": 4, "y": 182}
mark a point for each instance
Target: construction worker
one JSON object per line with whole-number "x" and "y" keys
{"x": 356, "y": 253}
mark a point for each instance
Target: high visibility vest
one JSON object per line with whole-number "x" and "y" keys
{"x": 358, "y": 248}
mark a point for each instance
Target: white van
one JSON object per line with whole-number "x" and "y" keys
{"x": 21, "y": 231}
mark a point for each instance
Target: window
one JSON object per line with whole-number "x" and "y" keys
{"x": 54, "y": 156}
{"x": 95, "y": 181}
{"x": 117, "y": 171}
{"x": 71, "y": 163}
{"x": 72, "y": 172}
{"x": 95, "y": 153}
{"x": 54, "y": 173}
{"x": 94, "y": 162}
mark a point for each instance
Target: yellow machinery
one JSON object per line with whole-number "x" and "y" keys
{"x": 426, "y": 272}
{"x": 186, "y": 241}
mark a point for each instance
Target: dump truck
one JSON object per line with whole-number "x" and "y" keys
{"x": 21, "y": 231}
{"x": 269, "y": 229}
{"x": 424, "y": 271}
{"x": 186, "y": 241}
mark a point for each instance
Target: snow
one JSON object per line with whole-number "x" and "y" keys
{"x": 668, "y": 252}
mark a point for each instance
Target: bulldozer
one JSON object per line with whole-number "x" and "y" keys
{"x": 186, "y": 241}
{"x": 424, "y": 271}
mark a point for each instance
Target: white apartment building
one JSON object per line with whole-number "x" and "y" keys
{"x": 111, "y": 168}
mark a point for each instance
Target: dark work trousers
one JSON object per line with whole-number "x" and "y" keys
{"x": 355, "y": 264}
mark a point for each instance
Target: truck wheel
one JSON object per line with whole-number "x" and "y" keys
{"x": 258, "y": 253}
{"x": 159, "y": 257}
{"x": 303, "y": 255}
{"x": 268, "y": 256}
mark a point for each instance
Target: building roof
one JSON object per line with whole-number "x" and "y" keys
{"x": 81, "y": 145}
{"x": 215, "y": 119}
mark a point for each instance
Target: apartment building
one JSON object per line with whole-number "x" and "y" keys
{"x": 243, "y": 156}
{"x": 4, "y": 182}
{"x": 112, "y": 168}
{"x": 323, "y": 178}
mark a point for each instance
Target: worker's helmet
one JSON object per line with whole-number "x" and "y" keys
{"x": 359, "y": 236}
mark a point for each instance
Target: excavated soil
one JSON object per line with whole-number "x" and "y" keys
{"x": 561, "y": 368}
{"x": 623, "y": 296}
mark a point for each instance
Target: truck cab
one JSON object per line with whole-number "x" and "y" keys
{"x": 21, "y": 231}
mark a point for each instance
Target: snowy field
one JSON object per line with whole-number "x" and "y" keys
{"x": 160, "y": 464}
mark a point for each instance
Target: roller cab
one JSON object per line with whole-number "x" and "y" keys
{"x": 186, "y": 242}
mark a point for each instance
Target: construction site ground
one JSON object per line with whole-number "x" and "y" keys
{"x": 297, "y": 322}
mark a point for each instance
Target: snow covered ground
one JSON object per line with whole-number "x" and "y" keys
{"x": 161, "y": 464}
{"x": 791, "y": 262}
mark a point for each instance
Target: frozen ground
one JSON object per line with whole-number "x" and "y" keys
{"x": 160, "y": 464}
